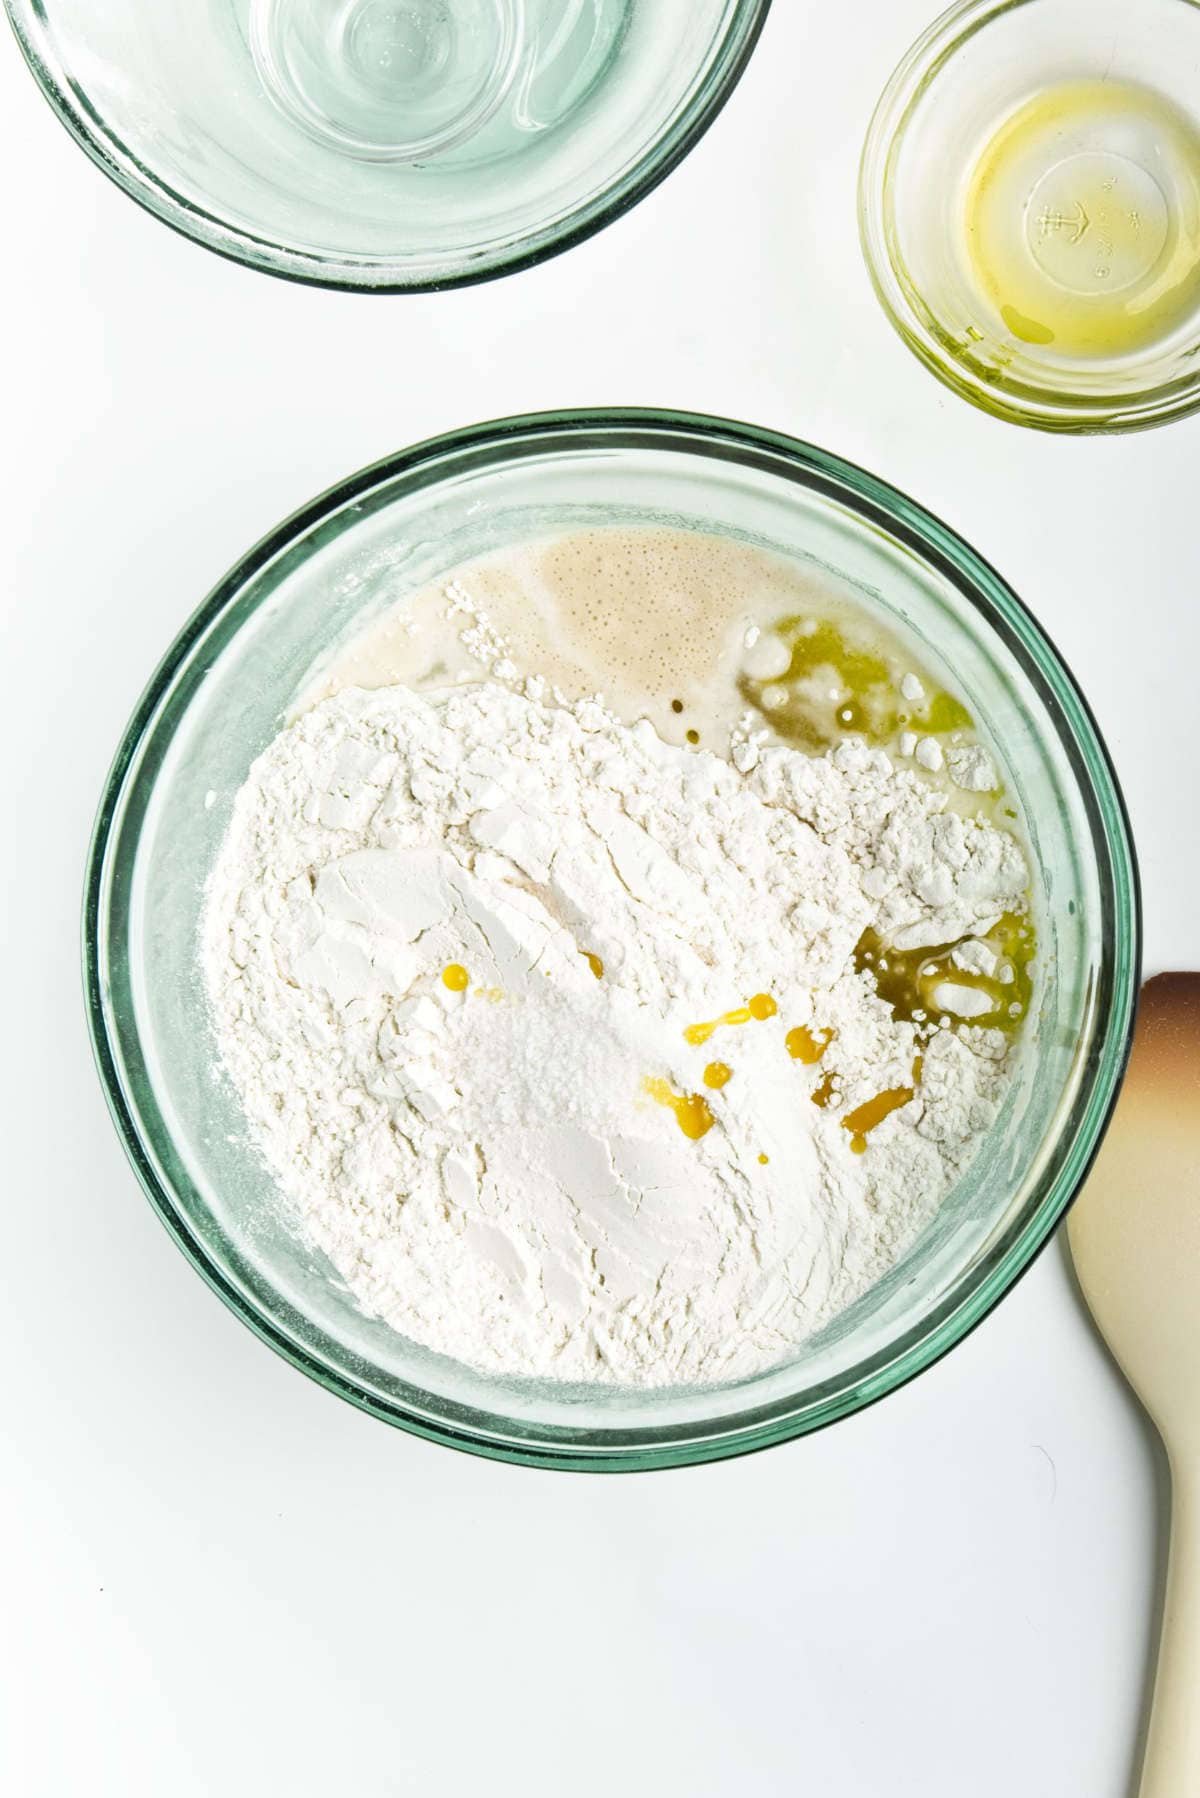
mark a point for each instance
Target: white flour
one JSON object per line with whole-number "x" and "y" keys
{"x": 485, "y": 1169}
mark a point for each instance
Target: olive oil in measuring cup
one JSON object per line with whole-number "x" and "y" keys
{"x": 1082, "y": 219}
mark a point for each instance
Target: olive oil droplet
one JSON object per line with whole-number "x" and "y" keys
{"x": 803, "y": 1046}
{"x": 692, "y": 1112}
{"x": 755, "y": 1010}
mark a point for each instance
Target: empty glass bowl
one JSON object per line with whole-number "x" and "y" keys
{"x": 220, "y": 696}
{"x": 387, "y": 144}
{"x": 1030, "y": 208}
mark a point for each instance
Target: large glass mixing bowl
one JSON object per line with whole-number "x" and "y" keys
{"x": 387, "y": 144}
{"x": 219, "y": 697}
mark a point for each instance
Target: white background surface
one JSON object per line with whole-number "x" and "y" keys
{"x": 217, "y": 1578}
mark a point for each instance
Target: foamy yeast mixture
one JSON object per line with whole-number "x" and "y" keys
{"x": 619, "y": 957}
{"x": 648, "y": 618}
{"x": 655, "y": 620}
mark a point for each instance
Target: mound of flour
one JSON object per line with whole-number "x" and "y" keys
{"x": 485, "y": 1169}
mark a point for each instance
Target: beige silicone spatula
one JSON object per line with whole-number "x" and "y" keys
{"x": 1135, "y": 1239}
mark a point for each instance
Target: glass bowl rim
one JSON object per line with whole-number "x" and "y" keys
{"x": 1041, "y": 407}
{"x": 345, "y": 274}
{"x": 969, "y": 1301}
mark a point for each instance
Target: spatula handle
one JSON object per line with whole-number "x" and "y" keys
{"x": 1172, "y": 1765}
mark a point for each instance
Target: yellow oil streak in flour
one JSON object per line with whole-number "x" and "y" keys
{"x": 755, "y": 1010}
{"x": 872, "y": 1112}
{"x": 802, "y": 1045}
{"x": 908, "y": 979}
{"x": 835, "y": 685}
{"x": 825, "y": 1092}
{"x": 692, "y": 1112}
